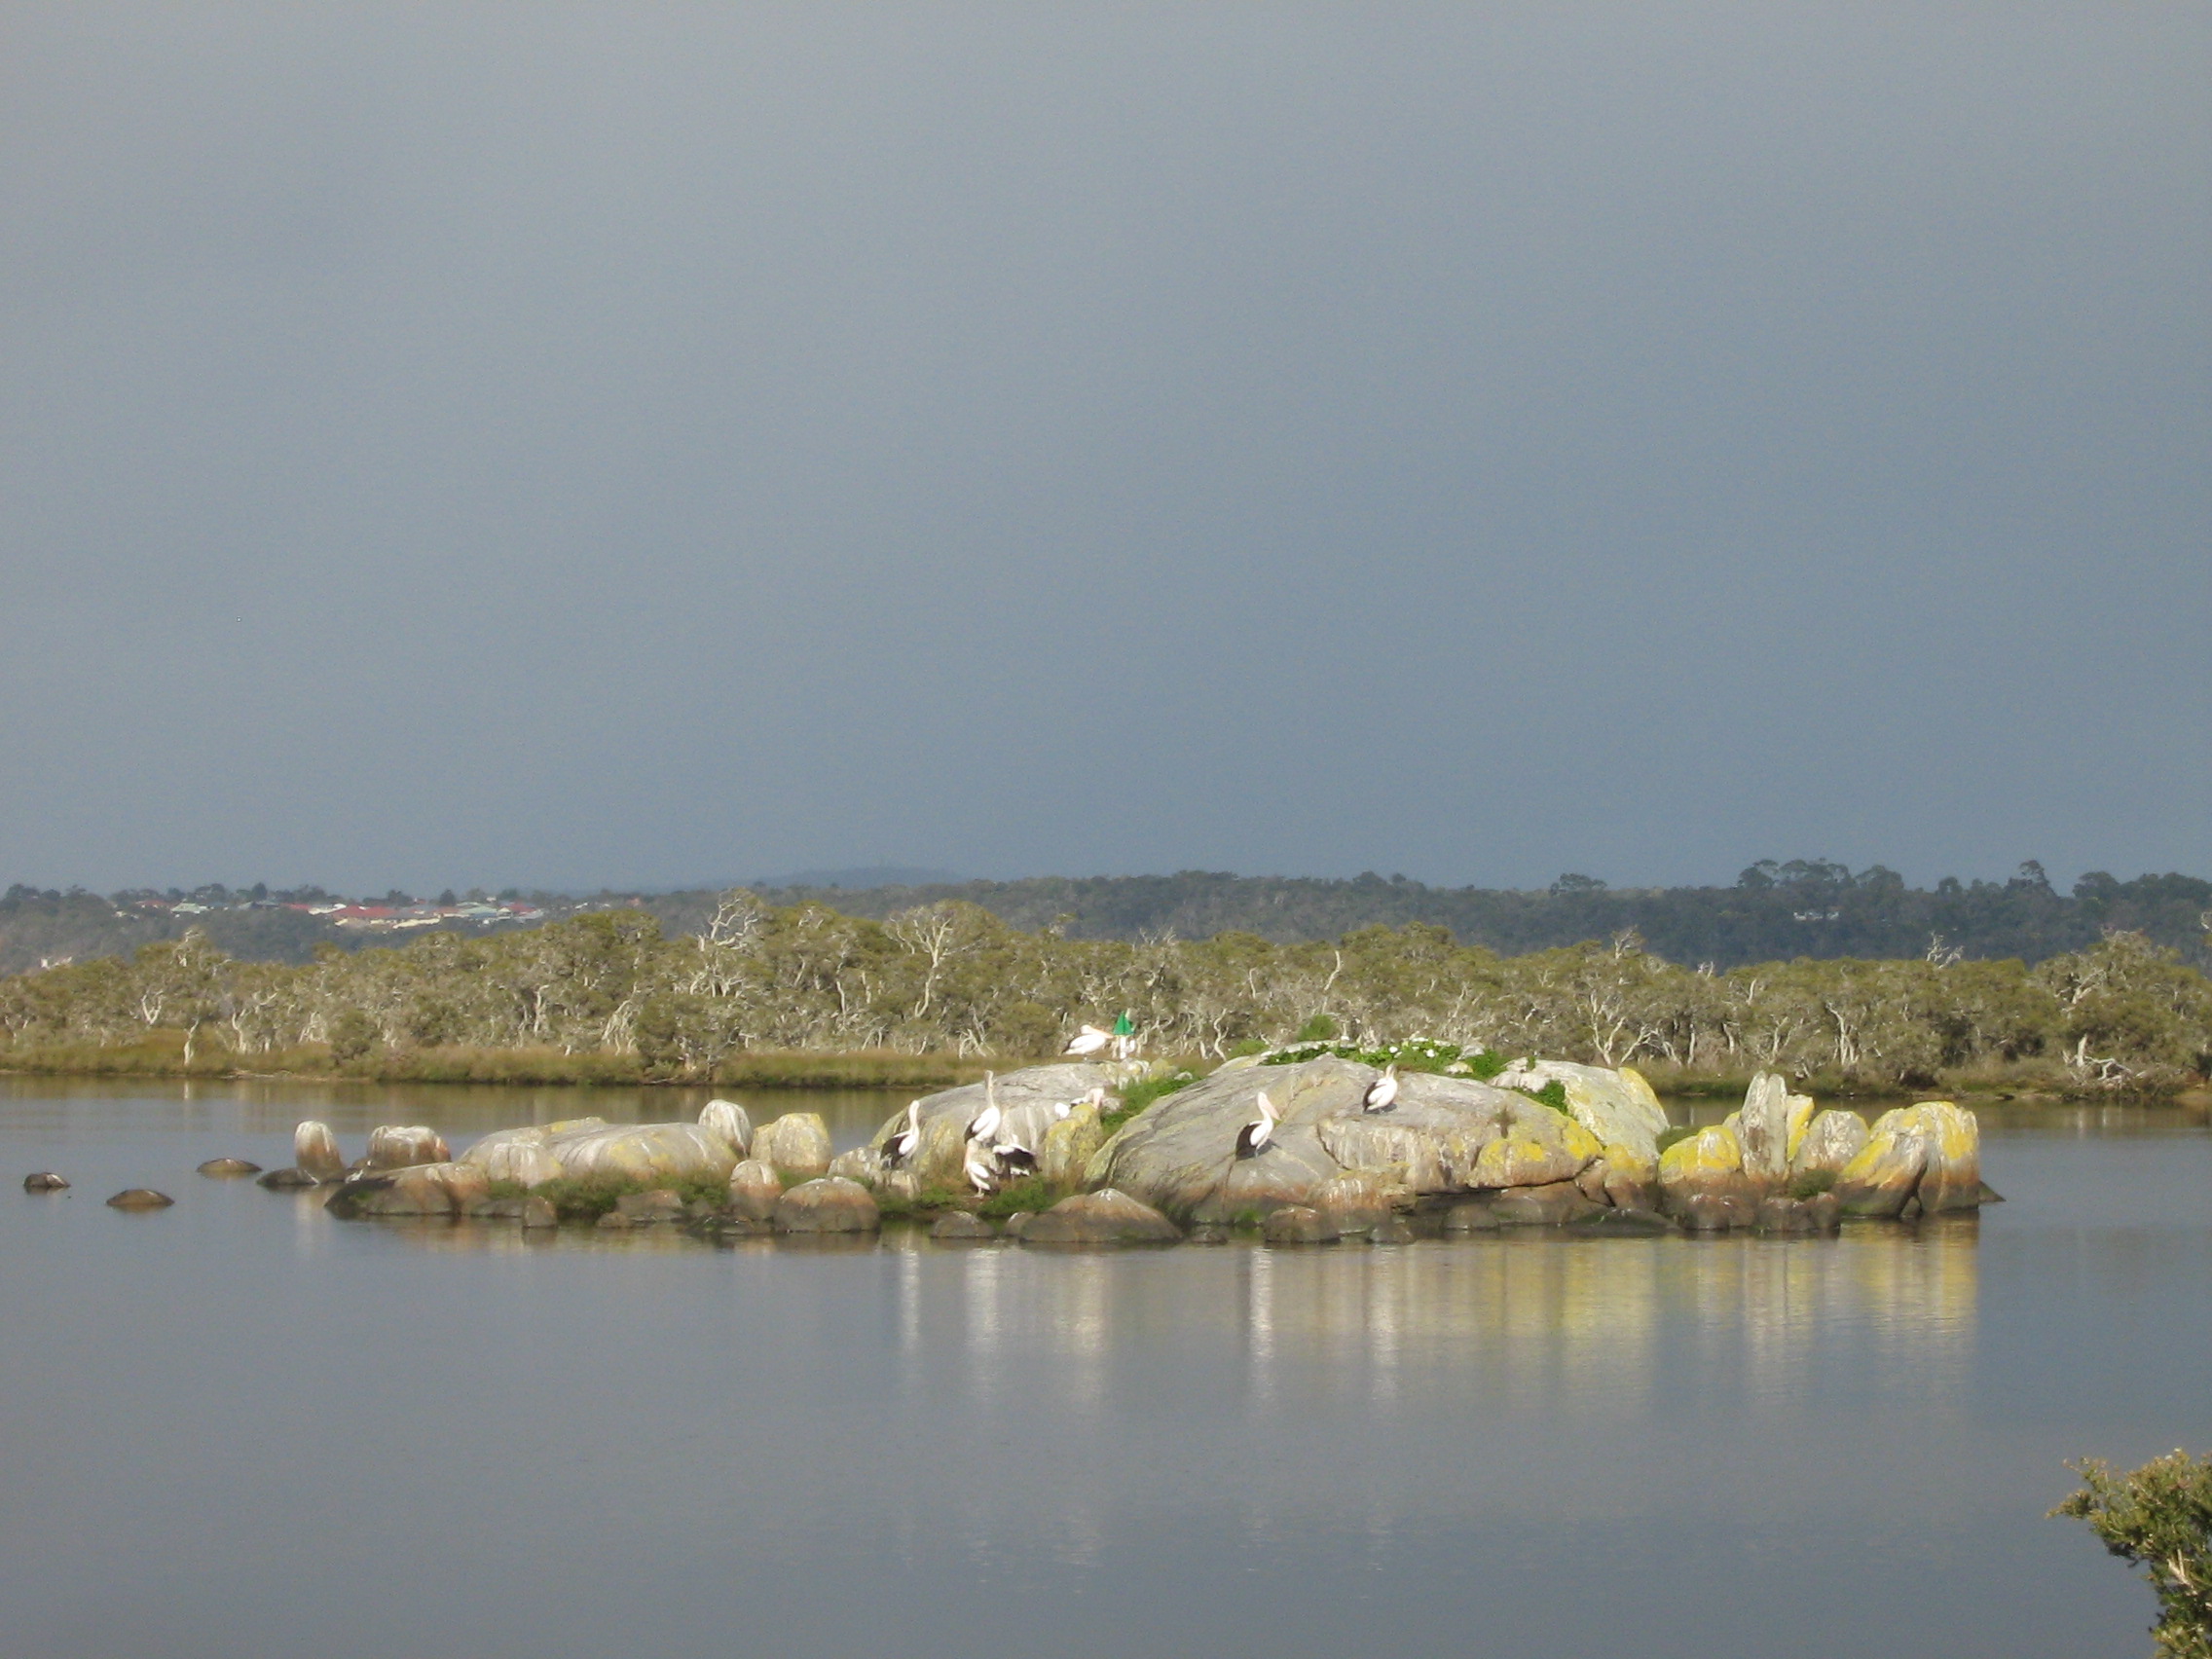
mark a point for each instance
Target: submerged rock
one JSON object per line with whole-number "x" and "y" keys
{"x": 796, "y": 1144}
{"x": 140, "y": 1199}
{"x": 419, "y": 1190}
{"x": 1105, "y": 1217}
{"x": 45, "y": 1181}
{"x": 960, "y": 1227}
{"x": 288, "y": 1180}
{"x": 224, "y": 1168}
{"x": 1553, "y": 1205}
{"x": 659, "y": 1208}
{"x": 1298, "y": 1224}
{"x": 1392, "y": 1231}
{"x": 831, "y": 1204}
{"x": 314, "y": 1150}
{"x": 395, "y": 1146}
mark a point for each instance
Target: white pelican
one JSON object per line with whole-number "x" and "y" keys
{"x": 985, "y": 1124}
{"x": 1381, "y": 1091}
{"x": 1254, "y": 1136}
{"x": 1012, "y": 1155}
{"x": 980, "y": 1168}
{"x": 1089, "y": 1040}
{"x": 900, "y": 1146}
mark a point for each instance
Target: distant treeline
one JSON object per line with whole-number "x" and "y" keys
{"x": 608, "y": 995}
{"x": 1774, "y": 912}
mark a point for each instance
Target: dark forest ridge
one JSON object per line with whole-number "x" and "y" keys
{"x": 1774, "y": 912}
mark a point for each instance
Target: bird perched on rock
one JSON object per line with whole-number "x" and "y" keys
{"x": 985, "y": 1124}
{"x": 1089, "y": 1040}
{"x": 1254, "y": 1136}
{"x": 1382, "y": 1092}
{"x": 900, "y": 1146}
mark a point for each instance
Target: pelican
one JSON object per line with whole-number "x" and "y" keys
{"x": 1012, "y": 1155}
{"x": 900, "y": 1146}
{"x": 980, "y": 1168}
{"x": 1381, "y": 1091}
{"x": 1089, "y": 1040}
{"x": 985, "y": 1124}
{"x": 1253, "y": 1136}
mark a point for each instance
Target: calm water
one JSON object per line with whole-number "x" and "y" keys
{"x": 237, "y": 1428}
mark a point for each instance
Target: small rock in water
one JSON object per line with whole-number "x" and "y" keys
{"x": 140, "y": 1199}
{"x": 1208, "y": 1234}
{"x": 1298, "y": 1224}
{"x": 613, "y": 1220}
{"x": 539, "y": 1213}
{"x": 45, "y": 1181}
{"x": 1471, "y": 1217}
{"x": 961, "y": 1226}
{"x": 832, "y": 1204}
{"x": 754, "y": 1190}
{"x": 1016, "y": 1222}
{"x": 1105, "y": 1217}
{"x": 1625, "y": 1221}
{"x": 223, "y": 1166}
{"x": 1394, "y": 1231}
{"x": 646, "y": 1209}
{"x": 288, "y": 1180}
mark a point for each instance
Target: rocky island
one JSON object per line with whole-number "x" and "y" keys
{"x": 1349, "y": 1152}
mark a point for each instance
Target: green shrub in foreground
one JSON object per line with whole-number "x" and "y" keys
{"x": 2158, "y": 1518}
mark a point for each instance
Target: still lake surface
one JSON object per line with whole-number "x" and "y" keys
{"x": 237, "y": 1428}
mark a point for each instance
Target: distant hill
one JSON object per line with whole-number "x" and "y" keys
{"x": 865, "y": 880}
{"x": 1773, "y": 912}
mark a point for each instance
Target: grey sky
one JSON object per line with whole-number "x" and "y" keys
{"x": 572, "y": 444}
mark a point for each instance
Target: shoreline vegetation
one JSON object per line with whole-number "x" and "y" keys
{"x": 803, "y": 996}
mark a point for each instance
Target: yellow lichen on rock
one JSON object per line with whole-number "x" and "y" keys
{"x": 1800, "y": 1121}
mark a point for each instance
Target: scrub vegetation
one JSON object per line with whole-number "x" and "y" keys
{"x": 802, "y": 994}
{"x": 2158, "y": 1518}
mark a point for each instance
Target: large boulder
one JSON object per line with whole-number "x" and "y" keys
{"x": 314, "y": 1150}
{"x": 1180, "y": 1154}
{"x": 643, "y": 1154}
{"x": 520, "y": 1156}
{"x": 730, "y": 1121}
{"x": 402, "y": 1146}
{"x": 1106, "y": 1217}
{"x": 1830, "y": 1141}
{"x": 796, "y": 1144}
{"x": 1357, "y": 1201}
{"x": 863, "y": 1163}
{"x": 1702, "y": 1180}
{"x": 946, "y": 1113}
{"x": 754, "y": 1191}
{"x": 1069, "y": 1145}
{"x": 423, "y": 1189}
{"x": 1761, "y": 1126}
{"x": 1929, "y": 1152}
{"x": 1952, "y": 1177}
{"x": 1618, "y": 1107}
{"x": 831, "y": 1204}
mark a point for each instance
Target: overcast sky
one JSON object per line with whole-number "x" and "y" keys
{"x": 658, "y": 444}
